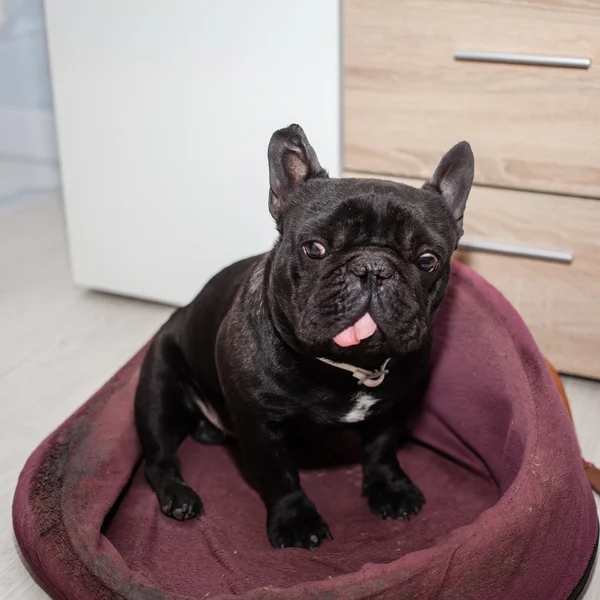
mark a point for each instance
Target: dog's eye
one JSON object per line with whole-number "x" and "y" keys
{"x": 314, "y": 250}
{"x": 428, "y": 262}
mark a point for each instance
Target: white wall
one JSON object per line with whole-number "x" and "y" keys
{"x": 28, "y": 154}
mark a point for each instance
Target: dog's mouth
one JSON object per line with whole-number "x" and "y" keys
{"x": 364, "y": 328}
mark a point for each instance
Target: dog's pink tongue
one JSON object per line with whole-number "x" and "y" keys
{"x": 363, "y": 328}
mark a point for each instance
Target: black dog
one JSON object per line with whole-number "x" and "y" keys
{"x": 330, "y": 328}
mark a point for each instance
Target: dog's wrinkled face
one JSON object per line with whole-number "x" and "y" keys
{"x": 362, "y": 264}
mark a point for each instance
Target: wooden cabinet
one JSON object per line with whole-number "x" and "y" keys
{"x": 534, "y": 130}
{"x": 406, "y": 99}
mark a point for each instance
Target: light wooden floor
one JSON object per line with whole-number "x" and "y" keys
{"x": 58, "y": 344}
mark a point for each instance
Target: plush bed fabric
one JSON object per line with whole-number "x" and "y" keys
{"x": 509, "y": 512}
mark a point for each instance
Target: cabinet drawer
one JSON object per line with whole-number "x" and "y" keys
{"x": 407, "y": 99}
{"x": 559, "y": 301}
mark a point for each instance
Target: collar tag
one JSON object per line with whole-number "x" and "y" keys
{"x": 365, "y": 377}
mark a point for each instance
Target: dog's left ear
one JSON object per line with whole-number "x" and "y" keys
{"x": 292, "y": 161}
{"x": 453, "y": 178}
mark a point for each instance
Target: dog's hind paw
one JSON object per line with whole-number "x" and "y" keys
{"x": 206, "y": 433}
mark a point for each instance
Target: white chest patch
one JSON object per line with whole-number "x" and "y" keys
{"x": 362, "y": 406}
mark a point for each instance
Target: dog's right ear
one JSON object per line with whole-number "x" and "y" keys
{"x": 292, "y": 161}
{"x": 453, "y": 179}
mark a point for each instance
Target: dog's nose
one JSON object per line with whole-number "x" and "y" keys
{"x": 378, "y": 267}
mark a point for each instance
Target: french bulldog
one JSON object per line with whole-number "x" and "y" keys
{"x": 331, "y": 328}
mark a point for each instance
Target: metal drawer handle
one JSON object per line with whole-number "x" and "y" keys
{"x": 523, "y": 59}
{"x": 559, "y": 256}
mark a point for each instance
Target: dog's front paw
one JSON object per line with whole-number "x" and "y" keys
{"x": 179, "y": 501}
{"x": 295, "y": 523}
{"x": 398, "y": 499}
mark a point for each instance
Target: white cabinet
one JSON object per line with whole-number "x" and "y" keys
{"x": 164, "y": 111}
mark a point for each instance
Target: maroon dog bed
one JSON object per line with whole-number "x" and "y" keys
{"x": 509, "y": 513}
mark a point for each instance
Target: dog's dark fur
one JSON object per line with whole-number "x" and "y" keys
{"x": 247, "y": 346}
